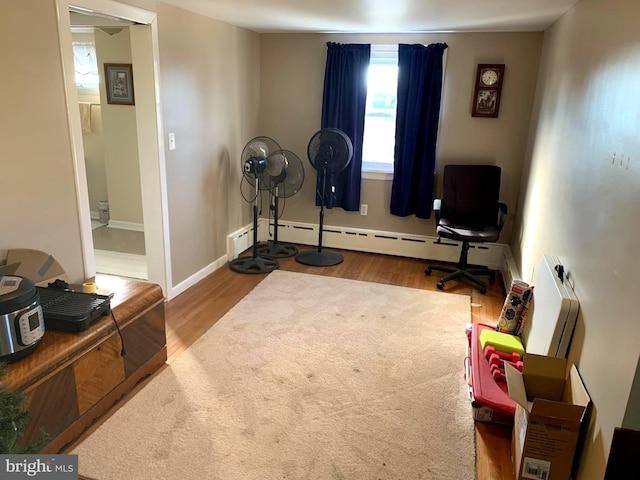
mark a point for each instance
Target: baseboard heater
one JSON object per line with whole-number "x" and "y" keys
{"x": 390, "y": 243}
{"x": 365, "y": 240}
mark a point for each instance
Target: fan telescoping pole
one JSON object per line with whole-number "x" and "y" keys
{"x": 320, "y": 258}
{"x": 321, "y": 224}
{"x": 275, "y": 214}
{"x": 254, "y": 263}
{"x": 255, "y": 222}
{"x": 275, "y": 249}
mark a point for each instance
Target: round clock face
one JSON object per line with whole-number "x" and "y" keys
{"x": 489, "y": 77}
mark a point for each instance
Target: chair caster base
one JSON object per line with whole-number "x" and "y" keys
{"x": 461, "y": 273}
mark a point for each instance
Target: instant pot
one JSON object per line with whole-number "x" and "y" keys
{"x": 21, "y": 319}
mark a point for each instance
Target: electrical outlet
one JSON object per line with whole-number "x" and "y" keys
{"x": 364, "y": 208}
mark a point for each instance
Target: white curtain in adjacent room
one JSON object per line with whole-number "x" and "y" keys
{"x": 86, "y": 64}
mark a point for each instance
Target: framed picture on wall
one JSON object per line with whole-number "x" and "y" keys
{"x": 119, "y": 83}
{"x": 486, "y": 103}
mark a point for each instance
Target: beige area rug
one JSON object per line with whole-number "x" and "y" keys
{"x": 308, "y": 377}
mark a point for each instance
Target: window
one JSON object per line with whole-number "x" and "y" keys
{"x": 380, "y": 116}
{"x": 86, "y": 65}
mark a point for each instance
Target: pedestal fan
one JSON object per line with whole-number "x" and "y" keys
{"x": 283, "y": 177}
{"x": 253, "y": 162}
{"x": 329, "y": 151}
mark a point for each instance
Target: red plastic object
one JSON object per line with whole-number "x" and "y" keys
{"x": 496, "y": 360}
{"x": 493, "y": 368}
{"x": 486, "y": 390}
{"x": 510, "y": 357}
{"x": 498, "y": 375}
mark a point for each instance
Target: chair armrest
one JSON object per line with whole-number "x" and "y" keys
{"x": 437, "y": 203}
{"x": 502, "y": 215}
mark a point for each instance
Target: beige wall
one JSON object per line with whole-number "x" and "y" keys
{"x": 93, "y": 141}
{"x": 292, "y": 69}
{"x": 575, "y": 201}
{"x": 37, "y": 193}
{"x": 209, "y": 80}
{"x": 93, "y": 144}
{"x": 210, "y": 74}
{"x": 580, "y": 204}
{"x": 122, "y": 165}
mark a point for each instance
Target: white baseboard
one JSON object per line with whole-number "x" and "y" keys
{"x": 196, "y": 277}
{"x": 237, "y": 242}
{"x": 138, "y": 227}
{"x": 510, "y": 272}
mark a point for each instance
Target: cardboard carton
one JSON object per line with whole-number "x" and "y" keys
{"x": 489, "y": 415}
{"x": 39, "y": 267}
{"x": 550, "y": 410}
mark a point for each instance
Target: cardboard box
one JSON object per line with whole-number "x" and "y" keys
{"x": 489, "y": 415}
{"x": 550, "y": 410}
{"x": 39, "y": 267}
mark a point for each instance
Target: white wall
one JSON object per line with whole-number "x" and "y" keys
{"x": 581, "y": 204}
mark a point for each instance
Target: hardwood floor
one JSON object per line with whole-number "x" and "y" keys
{"x": 193, "y": 312}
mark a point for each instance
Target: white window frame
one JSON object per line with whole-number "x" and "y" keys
{"x": 369, "y": 171}
{"x": 391, "y": 51}
{"x": 89, "y": 88}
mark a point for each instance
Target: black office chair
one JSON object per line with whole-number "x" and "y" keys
{"x": 468, "y": 212}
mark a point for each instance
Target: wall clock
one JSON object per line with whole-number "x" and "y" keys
{"x": 488, "y": 87}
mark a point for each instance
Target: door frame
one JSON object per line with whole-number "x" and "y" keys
{"x": 145, "y": 54}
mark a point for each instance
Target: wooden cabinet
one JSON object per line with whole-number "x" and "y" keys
{"x": 72, "y": 379}
{"x": 97, "y": 372}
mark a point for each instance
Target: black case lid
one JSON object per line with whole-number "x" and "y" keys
{"x": 69, "y": 311}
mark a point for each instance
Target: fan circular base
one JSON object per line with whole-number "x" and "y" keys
{"x": 325, "y": 258}
{"x": 277, "y": 250}
{"x": 253, "y": 265}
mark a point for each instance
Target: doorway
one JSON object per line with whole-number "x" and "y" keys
{"x": 109, "y": 138}
{"x": 145, "y": 121}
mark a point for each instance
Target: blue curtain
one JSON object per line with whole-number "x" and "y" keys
{"x": 343, "y": 107}
{"x": 418, "y": 110}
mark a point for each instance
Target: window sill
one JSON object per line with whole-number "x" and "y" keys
{"x": 87, "y": 90}
{"x": 377, "y": 175}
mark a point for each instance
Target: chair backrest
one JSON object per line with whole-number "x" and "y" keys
{"x": 470, "y": 195}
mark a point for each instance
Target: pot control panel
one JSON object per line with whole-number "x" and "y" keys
{"x": 30, "y": 326}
